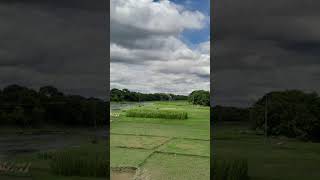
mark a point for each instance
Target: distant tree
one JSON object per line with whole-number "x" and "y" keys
{"x": 291, "y": 113}
{"x": 22, "y": 106}
{"x": 200, "y": 97}
{"x": 19, "y": 94}
{"x": 126, "y": 95}
{"x": 49, "y": 91}
{"x": 116, "y": 95}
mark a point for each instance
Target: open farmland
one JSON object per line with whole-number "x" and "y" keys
{"x": 161, "y": 147}
{"x": 277, "y": 158}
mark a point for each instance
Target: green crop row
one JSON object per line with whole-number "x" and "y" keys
{"x": 163, "y": 114}
{"x": 80, "y": 163}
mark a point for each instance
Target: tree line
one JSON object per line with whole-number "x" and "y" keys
{"x": 25, "y": 107}
{"x": 291, "y": 113}
{"x": 118, "y": 95}
{"x": 198, "y": 97}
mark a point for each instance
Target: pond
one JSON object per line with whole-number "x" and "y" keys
{"x": 14, "y": 144}
{"x": 118, "y": 106}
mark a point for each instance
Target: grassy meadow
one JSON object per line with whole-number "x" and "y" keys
{"x": 277, "y": 158}
{"x": 161, "y": 141}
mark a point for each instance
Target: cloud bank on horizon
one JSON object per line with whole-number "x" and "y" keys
{"x": 150, "y": 51}
{"x": 54, "y": 42}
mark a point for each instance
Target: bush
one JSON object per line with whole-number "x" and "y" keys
{"x": 230, "y": 169}
{"x": 163, "y": 114}
{"x": 80, "y": 163}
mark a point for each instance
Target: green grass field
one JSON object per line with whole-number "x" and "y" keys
{"x": 85, "y": 161}
{"x": 275, "y": 159}
{"x": 163, "y": 148}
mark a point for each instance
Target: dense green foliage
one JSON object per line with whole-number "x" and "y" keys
{"x": 230, "y": 169}
{"x": 200, "y": 97}
{"x": 80, "y": 163}
{"x": 29, "y": 108}
{"x": 153, "y": 113}
{"x": 118, "y": 95}
{"x": 291, "y": 113}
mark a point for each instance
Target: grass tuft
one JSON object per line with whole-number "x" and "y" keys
{"x": 230, "y": 170}
{"x": 80, "y": 163}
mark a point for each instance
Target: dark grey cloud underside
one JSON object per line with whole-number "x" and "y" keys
{"x": 94, "y": 5}
{"x": 55, "y": 42}
{"x": 261, "y": 46}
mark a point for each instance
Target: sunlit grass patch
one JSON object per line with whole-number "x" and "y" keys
{"x": 166, "y": 166}
{"x": 186, "y": 146}
{"x": 131, "y": 141}
{"x": 156, "y": 113}
{"x": 123, "y": 157}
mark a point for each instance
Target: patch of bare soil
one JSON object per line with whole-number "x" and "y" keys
{"x": 125, "y": 173}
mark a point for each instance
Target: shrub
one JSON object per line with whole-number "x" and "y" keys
{"x": 80, "y": 163}
{"x": 163, "y": 114}
{"x": 230, "y": 169}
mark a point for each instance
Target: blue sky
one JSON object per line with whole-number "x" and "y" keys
{"x": 192, "y": 37}
{"x": 160, "y": 62}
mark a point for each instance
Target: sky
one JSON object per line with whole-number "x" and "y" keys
{"x": 160, "y": 46}
{"x": 54, "y": 42}
{"x": 261, "y": 46}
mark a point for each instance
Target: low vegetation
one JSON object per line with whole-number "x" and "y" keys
{"x": 159, "y": 148}
{"x": 156, "y": 113}
{"x": 80, "y": 163}
{"x": 277, "y": 158}
{"x": 230, "y": 169}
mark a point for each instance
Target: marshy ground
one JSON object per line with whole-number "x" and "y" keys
{"x": 34, "y": 146}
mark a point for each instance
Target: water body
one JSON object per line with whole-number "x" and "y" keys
{"x": 16, "y": 144}
{"x": 117, "y": 106}
{"x": 12, "y": 145}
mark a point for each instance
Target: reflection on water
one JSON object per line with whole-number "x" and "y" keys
{"x": 16, "y": 144}
{"x": 117, "y": 106}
